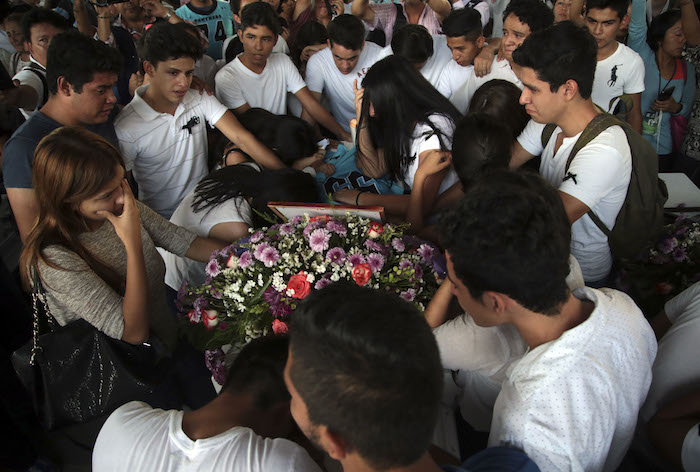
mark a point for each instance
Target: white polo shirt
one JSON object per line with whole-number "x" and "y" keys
{"x": 601, "y": 171}
{"x": 323, "y": 76}
{"x": 166, "y": 153}
{"x": 499, "y": 70}
{"x": 237, "y": 85}
{"x": 433, "y": 68}
{"x": 621, "y": 73}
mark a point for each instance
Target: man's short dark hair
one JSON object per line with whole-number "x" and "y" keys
{"x": 166, "y": 42}
{"x": 367, "y": 367}
{"x": 463, "y": 22}
{"x": 560, "y": 53}
{"x": 77, "y": 58}
{"x": 347, "y": 31}
{"x": 510, "y": 234}
{"x": 533, "y": 13}
{"x": 413, "y": 43}
{"x": 235, "y": 6}
{"x": 259, "y": 370}
{"x": 619, "y": 6}
{"x": 260, "y": 14}
{"x": 38, "y": 16}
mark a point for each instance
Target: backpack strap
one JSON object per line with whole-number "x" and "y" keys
{"x": 547, "y": 133}
{"x": 597, "y": 125}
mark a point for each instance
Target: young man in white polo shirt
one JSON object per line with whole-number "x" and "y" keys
{"x": 162, "y": 130}
{"x": 332, "y": 71}
{"x": 577, "y": 363}
{"x": 427, "y": 53}
{"x": 620, "y": 70}
{"x": 465, "y": 38}
{"x": 258, "y": 78}
{"x": 557, "y": 67}
{"x": 520, "y": 19}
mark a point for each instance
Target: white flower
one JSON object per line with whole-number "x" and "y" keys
{"x": 290, "y": 292}
{"x": 335, "y": 277}
{"x": 310, "y": 278}
{"x": 320, "y": 269}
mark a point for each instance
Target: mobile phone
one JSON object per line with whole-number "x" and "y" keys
{"x": 666, "y": 93}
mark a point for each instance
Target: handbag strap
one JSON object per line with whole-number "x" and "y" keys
{"x": 39, "y": 302}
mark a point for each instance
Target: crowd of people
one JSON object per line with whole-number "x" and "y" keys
{"x": 522, "y": 137}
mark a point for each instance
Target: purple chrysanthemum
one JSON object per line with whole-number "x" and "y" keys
{"x": 376, "y": 262}
{"x": 287, "y": 229}
{"x": 318, "y": 240}
{"x": 256, "y": 237}
{"x": 418, "y": 274}
{"x": 398, "y": 245}
{"x": 408, "y": 295}
{"x": 214, "y": 360}
{"x": 212, "y": 268}
{"x": 322, "y": 283}
{"x": 296, "y": 220}
{"x": 245, "y": 260}
{"x": 337, "y": 228}
{"x": 374, "y": 246}
{"x": 426, "y": 253}
{"x": 257, "y": 252}
{"x": 679, "y": 254}
{"x": 405, "y": 264}
{"x": 336, "y": 255}
{"x": 180, "y": 299}
{"x": 668, "y": 245}
{"x": 310, "y": 228}
{"x": 216, "y": 293}
{"x": 356, "y": 259}
{"x": 269, "y": 256}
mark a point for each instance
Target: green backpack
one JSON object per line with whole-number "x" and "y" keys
{"x": 641, "y": 216}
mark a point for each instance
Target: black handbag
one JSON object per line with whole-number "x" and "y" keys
{"x": 75, "y": 373}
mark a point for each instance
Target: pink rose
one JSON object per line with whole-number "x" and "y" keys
{"x": 210, "y": 318}
{"x": 361, "y": 274}
{"x": 375, "y": 230}
{"x": 298, "y": 286}
{"x": 279, "y": 327}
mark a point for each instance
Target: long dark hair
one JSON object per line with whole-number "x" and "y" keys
{"x": 70, "y": 166}
{"x": 289, "y": 137}
{"x": 658, "y": 27}
{"x": 242, "y": 180}
{"x": 401, "y": 98}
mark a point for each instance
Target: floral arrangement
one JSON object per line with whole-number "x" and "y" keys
{"x": 671, "y": 266}
{"x": 254, "y": 285}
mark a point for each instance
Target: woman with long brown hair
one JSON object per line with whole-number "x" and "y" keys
{"x": 94, "y": 246}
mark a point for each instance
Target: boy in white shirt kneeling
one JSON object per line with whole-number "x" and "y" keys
{"x": 570, "y": 399}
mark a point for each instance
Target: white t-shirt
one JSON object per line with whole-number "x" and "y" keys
{"x": 453, "y": 77}
{"x": 237, "y": 85}
{"x": 178, "y": 269}
{"x": 481, "y": 357}
{"x": 499, "y": 70}
{"x": 424, "y": 139}
{"x": 621, "y": 73}
{"x": 601, "y": 171}
{"x": 138, "y": 437}
{"x": 433, "y": 68}
{"x": 482, "y": 7}
{"x": 167, "y": 153}
{"x": 677, "y": 367}
{"x": 30, "y": 78}
{"x": 572, "y": 403}
{"x": 323, "y": 76}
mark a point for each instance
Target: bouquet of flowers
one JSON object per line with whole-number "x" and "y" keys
{"x": 672, "y": 265}
{"x": 255, "y": 284}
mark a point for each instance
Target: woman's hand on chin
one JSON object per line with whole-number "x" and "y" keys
{"x": 128, "y": 224}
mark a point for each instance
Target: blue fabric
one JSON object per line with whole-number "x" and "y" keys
{"x": 216, "y": 22}
{"x": 684, "y": 92}
{"x": 496, "y": 459}
{"x": 347, "y": 175}
{"x": 18, "y": 153}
